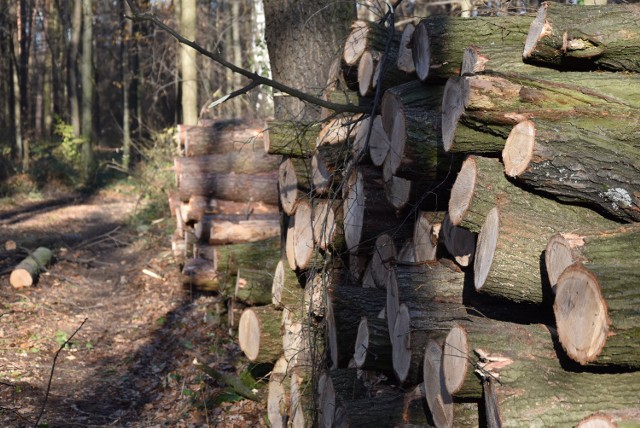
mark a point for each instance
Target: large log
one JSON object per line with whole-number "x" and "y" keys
{"x": 208, "y": 140}
{"x": 258, "y": 255}
{"x": 479, "y": 111}
{"x": 294, "y": 183}
{"x": 372, "y": 349}
{"x": 27, "y": 271}
{"x": 437, "y": 281}
{"x": 439, "y": 41}
{"x": 243, "y": 162}
{"x": 528, "y": 377}
{"x": 259, "y": 334}
{"x": 599, "y": 37}
{"x": 438, "y": 397}
{"x": 516, "y": 225}
{"x": 236, "y": 229}
{"x": 592, "y": 160}
{"x": 596, "y": 312}
{"x": 366, "y": 36}
{"x": 231, "y": 186}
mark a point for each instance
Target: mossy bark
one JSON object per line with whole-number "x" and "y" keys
{"x": 295, "y": 139}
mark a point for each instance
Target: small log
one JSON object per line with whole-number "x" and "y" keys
{"x": 232, "y": 187}
{"x": 459, "y": 242}
{"x": 588, "y": 38}
{"x": 437, "y": 281}
{"x": 26, "y": 272}
{"x": 597, "y": 315}
{"x": 411, "y": 95}
{"x": 207, "y": 140}
{"x": 404, "y": 60}
{"x": 438, "y": 398}
{"x": 258, "y": 255}
{"x": 259, "y": 334}
{"x": 252, "y": 286}
{"x": 294, "y": 183}
{"x": 366, "y": 36}
{"x": 303, "y": 245}
{"x": 551, "y": 157}
{"x": 366, "y": 213}
{"x": 384, "y": 257}
{"x": 294, "y": 139}
{"x": 328, "y": 233}
{"x": 296, "y": 340}
{"x": 378, "y": 143}
{"x": 425, "y": 235}
{"x": 236, "y": 229}
{"x": 286, "y": 290}
{"x": 372, "y": 350}
{"x": 278, "y": 399}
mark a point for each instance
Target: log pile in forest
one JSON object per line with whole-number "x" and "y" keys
{"x": 466, "y": 255}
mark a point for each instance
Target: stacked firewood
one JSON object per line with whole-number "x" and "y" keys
{"x": 225, "y": 205}
{"x": 468, "y": 254}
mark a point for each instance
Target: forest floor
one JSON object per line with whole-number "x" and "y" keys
{"x": 139, "y": 333}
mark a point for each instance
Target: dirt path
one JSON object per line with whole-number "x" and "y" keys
{"x": 131, "y": 362}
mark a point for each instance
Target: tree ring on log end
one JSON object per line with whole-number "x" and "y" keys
{"x": 327, "y": 401}
{"x": 455, "y": 359}
{"x": 356, "y": 42}
{"x": 452, "y": 109}
{"x": 486, "y": 247}
{"x": 379, "y": 142}
{"x": 438, "y": 398}
{"x": 366, "y": 69}
{"x": 249, "y": 334}
{"x": 401, "y": 343}
{"x": 393, "y": 301}
{"x": 362, "y": 343}
{"x": 397, "y": 141}
{"x": 462, "y": 191}
{"x": 303, "y": 235}
{"x": 288, "y": 182}
{"x": 421, "y": 51}
{"x": 597, "y": 421}
{"x": 518, "y": 149}
{"x": 354, "y": 211}
{"x": 581, "y": 314}
{"x": 557, "y": 257}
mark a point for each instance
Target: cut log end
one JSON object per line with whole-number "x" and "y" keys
{"x": 438, "y": 398}
{"x": 398, "y": 191}
{"x": 425, "y": 237}
{"x": 366, "y": 67}
{"x": 472, "y": 61}
{"x": 518, "y": 150}
{"x": 462, "y": 191}
{"x": 303, "y": 235}
{"x": 557, "y": 257}
{"x": 327, "y": 401}
{"x": 378, "y": 143}
{"x": 249, "y": 334}
{"x": 581, "y": 314}
{"x": 405, "y": 56}
{"x": 362, "y": 343}
{"x": 452, "y": 109}
{"x": 321, "y": 177}
{"x": 356, "y": 43}
{"x": 455, "y": 359}
{"x": 288, "y": 186}
{"x": 324, "y": 224}
{"x": 354, "y": 211}
{"x": 278, "y": 397}
{"x": 421, "y": 51}
{"x": 537, "y": 30}
{"x": 401, "y": 343}
{"x": 486, "y": 247}
{"x": 397, "y": 141}
{"x": 27, "y": 271}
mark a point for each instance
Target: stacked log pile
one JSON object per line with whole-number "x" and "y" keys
{"x": 225, "y": 206}
{"x": 466, "y": 255}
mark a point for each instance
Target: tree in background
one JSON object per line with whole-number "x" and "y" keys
{"x": 188, "y": 67}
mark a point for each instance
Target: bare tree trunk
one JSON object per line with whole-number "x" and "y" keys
{"x": 75, "y": 27}
{"x": 236, "y": 48}
{"x": 188, "y": 63}
{"x": 87, "y": 77}
{"x": 126, "y": 32}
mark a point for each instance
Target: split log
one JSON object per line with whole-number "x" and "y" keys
{"x": 286, "y": 289}
{"x": 231, "y": 187}
{"x": 236, "y": 229}
{"x": 596, "y": 313}
{"x": 294, "y": 183}
{"x": 439, "y": 41}
{"x": 278, "y": 394}
{"x": 26, "y": 272}
{"x": 597, "y": 248}
{"x": 259, "y": 334}
{"x": 208, "y": 140}
{"x": 602, "y": 37}
{"x": 293, "y": 139}
{"x": 551, "y": 157}
{"x": 366, "y": 36}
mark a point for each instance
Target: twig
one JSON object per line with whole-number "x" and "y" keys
{"x": 256, "y": 78}
{"x": 53, "y": 367}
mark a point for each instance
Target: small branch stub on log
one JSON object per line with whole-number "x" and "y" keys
{"x": 27, "y": 271}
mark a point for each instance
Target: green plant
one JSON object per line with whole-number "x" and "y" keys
{"x": 70, "y": 147}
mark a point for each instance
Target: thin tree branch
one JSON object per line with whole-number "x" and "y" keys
{"x": 256, "y": 78}
{"x": 53, "y": 367}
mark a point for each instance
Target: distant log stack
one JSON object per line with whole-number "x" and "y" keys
{"x": 473, "y": 243}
